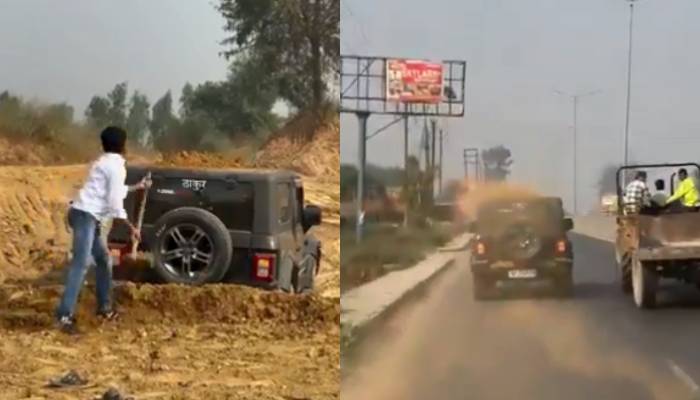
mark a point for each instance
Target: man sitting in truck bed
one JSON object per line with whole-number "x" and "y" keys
{"x": 686, "y": 196}
{"x": 659, "y": 198}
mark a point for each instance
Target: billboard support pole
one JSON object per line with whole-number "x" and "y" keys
{"x": 440, "y": 170}
{"x": 433, "y": 170}
{"x": 405, "y": 170}
{"x": 362, "y": 144}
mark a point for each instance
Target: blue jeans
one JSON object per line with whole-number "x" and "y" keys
{"x": 86, "y": 242}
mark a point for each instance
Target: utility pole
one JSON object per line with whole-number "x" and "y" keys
{"x": 433, "y": 124}
{"x": 405, "y": 170}
{"x": 426, "y": 145}
{"x": 574, "y": 150}
{"x": 629, "y": 84}
{"x": 440, "y": 170}
{"x": 362, "y": 159}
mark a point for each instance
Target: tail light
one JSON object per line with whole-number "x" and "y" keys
{"x": 480, "y": 248}
{"x": 561, "y": 246}
{"x": 264, "y": 266}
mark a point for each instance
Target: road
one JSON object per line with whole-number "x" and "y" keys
{"x": 596, "y": 345}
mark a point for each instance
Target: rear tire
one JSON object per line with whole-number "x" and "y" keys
{"x": 484, "y": 289}
{"x": 645, "y": 281}
{"x": 625, "y": 267}
{"x": 208, "y": 227}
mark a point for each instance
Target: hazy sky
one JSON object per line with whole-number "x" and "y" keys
{"x": 71, "y": 50}
{"x": 517, "y": 52}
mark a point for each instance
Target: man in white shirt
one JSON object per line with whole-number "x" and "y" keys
{"x": 101, "y": 198}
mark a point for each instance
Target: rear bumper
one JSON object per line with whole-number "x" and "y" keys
{"x": 499, "y": 270}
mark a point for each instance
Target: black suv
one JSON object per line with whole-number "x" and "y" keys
{"x": 520, "y": 240}
{"x": 243, "y": 226}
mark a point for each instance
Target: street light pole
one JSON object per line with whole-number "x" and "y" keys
{"x": 574, "y": 150}
{"x": 575, "y": 157}
{"x": 629, "y": 83}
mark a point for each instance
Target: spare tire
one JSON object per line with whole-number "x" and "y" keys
{"x": 521, "y": 241}
{"x": 191, "y": 246}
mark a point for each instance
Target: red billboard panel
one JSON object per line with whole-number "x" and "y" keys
{"x": 413, "y": 81}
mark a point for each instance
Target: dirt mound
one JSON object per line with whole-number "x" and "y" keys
{"x": 33, "y": 228}
{"x": 209, "y": 342}
{"x": 196, "y": 159}
{"x": 32, "y": 307}
{"x": 303, "y": 148}
{"x": 27, "y": 151}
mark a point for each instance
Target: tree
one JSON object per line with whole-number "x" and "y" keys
{"x": 163, "y": 119}
{"x": 240, "y": 105}
{"x": 10, "y": 106}
{"x": 497, "y": 161}
{"x": 297, "y": 42}
{"x": 186, "y": 98}
{"x": 97, "y": 112}
{"x": 139, "y": 117}
{"x": 117, "y": 100}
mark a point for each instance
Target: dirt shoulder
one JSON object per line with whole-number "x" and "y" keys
{"x": 199, "y": 343}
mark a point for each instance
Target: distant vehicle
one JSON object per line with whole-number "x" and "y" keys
{"x": 521, "y": 240}
{"x": 243, "y": 226}
{"x": 608, "y": 204}
{"x": 656, "y": 243}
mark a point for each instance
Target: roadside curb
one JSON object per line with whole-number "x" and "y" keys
{"x": 352, "y": 332}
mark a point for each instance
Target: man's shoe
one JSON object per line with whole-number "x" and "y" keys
{"x": 67, "y": 325}
{"x": 108, "y": 315}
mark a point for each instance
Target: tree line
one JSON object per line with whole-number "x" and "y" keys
{"x": 278, "y": 50}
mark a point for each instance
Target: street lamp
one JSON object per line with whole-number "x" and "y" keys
{"x": 574, "y": 100}
{"x": 629, "y": 83}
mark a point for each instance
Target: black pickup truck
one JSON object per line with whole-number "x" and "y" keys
{"x": 521, "y": 240}
{"x": 243, "y": 226}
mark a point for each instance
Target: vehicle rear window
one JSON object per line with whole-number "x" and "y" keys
{"x": 544, "y": 214}
{"x": 235, "y": 205}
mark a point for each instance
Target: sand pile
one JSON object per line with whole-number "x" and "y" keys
{"x": 299, "y": 146}
{"x": 42, "y": 152}
{"x": 196, "y": 159}
{"x": 31, "y": 307}
{"x": 33, "y": 228}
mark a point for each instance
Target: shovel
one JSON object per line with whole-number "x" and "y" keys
{"x": 131, "y": 259}
{"x": 139, "y": 221}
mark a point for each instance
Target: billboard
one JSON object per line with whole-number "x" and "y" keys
{"x": 413, "y": 81}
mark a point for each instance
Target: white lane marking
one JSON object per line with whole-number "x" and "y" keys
{"x": 683, "y": 376}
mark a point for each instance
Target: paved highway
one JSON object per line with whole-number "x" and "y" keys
{"x": 596, "y": 345}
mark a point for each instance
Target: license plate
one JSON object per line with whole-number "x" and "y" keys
{"x": 522, "y": 273}
{"x": 503, "y": 264}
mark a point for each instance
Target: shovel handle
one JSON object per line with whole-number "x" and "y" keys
{"x": 139, "y": 221}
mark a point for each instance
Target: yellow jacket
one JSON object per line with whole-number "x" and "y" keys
{"x": 687, "y": 192}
